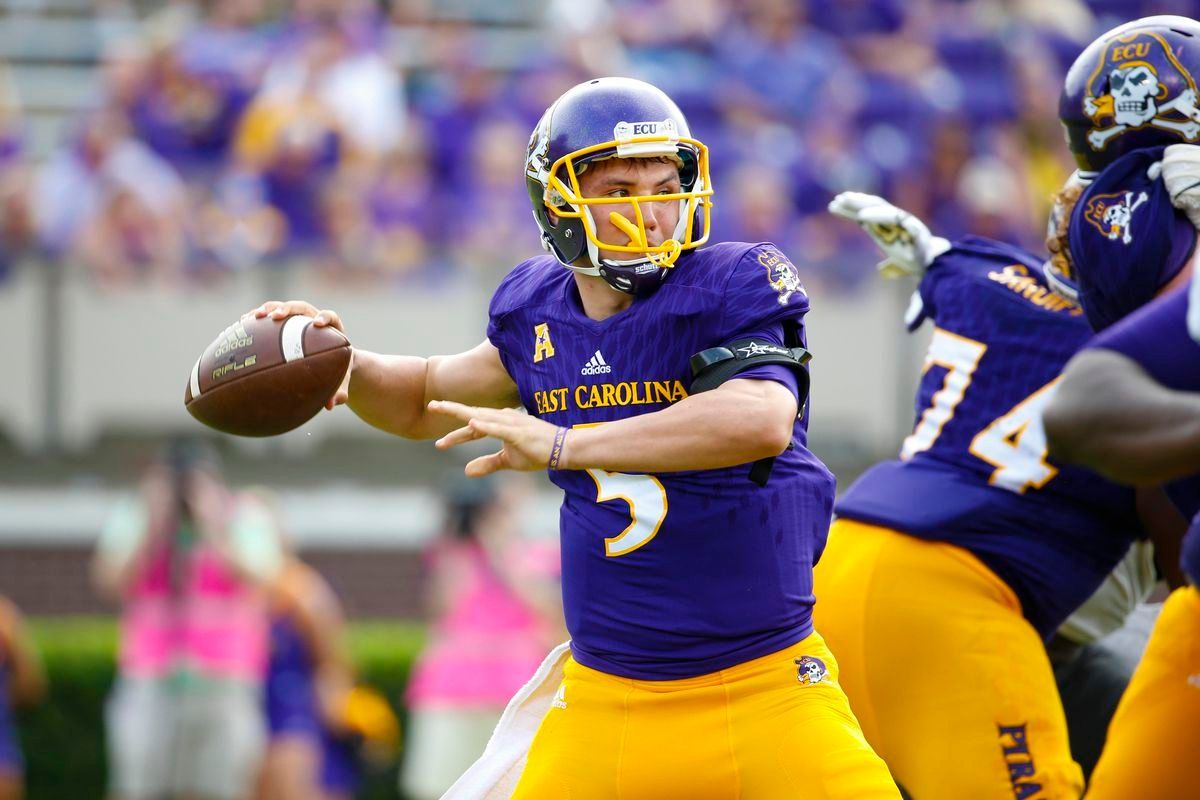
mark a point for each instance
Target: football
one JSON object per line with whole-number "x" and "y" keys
{"x": 263, "y": 377}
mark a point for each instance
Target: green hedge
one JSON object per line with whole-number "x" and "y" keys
{"x": 63, "y": 738}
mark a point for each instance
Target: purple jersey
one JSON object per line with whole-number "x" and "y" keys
{"x": 683, "y": 573}
{"x": 974, "y": 472}
{"x": 1126, "y": 238}
{"x": 1156, "y": 337}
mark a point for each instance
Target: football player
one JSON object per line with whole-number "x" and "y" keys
{"x": 1128, "y": 405}
{"x": 1128, "y": 241}
{"x": 960, "y": 557}
{"x": 654, "y": 373}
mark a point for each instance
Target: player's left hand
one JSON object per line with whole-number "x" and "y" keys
{"x": 527, "y": 440}
{"x": 903, "y": 238}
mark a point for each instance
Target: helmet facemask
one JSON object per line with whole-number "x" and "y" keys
{"x": 647, "y": 264}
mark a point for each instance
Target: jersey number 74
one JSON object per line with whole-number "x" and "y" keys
{"x": 1014, "y": 443}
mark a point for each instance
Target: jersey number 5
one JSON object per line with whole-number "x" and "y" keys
{"x": 647, "y": 501}
{"x": 1015, "y": 443}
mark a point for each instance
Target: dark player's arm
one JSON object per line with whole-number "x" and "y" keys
{"x": 740, "y": 421}
{"x": 1112, "y": 417}
{"x": 392, "y": 393}
{"x": 28, "y": 683}
{"x": 1165, "y": 527}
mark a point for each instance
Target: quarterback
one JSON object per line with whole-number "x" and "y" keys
{"x": 662, "y": 379}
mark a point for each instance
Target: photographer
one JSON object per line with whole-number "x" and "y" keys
{"x": 496, "y": 611}
{"x": 188, "y": 562}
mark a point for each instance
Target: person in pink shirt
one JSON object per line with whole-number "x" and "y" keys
{"x": 189, "y": 561}
{"x": 496, "y": 612}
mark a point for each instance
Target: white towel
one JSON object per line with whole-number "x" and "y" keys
{"x": 495, "y": 774}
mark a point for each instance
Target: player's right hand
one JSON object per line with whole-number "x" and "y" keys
{"x": 905, "y": 240}
{"x": 279, "y": 309}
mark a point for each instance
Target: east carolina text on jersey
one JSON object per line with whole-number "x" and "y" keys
{"x": 678, "y": 574}
{"x": 625, "y": 393}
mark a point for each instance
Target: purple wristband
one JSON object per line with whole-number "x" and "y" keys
{"x": 560, "y": 436}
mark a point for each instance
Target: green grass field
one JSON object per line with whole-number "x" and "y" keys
{"x": 63, "y": 739}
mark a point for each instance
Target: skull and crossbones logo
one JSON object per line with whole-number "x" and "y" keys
{"x": 810, "y": 670}
{"x": 781, "y": 275}
{"x": 1137, "y": 95}
{"x": 1112, "y": 214}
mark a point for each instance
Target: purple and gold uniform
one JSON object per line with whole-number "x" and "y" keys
{"x": 688, "y": 595}
{"x": 1155, "y": 732}
{"x": 958, "y": 558}
{"x": 974, "y": 472}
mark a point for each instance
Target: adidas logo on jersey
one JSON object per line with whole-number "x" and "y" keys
{"x": 596, "y": 366}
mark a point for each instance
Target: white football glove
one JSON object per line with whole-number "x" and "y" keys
{"x": 905, "y": 240}
{"x": 1181, "y": 175}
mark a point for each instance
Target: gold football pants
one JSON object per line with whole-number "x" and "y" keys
{"x": 952, "y": 685}
{"x": 774, "y": 728}
{"x": 1154, "y": 738}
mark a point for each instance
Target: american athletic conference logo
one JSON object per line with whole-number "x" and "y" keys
{"x": 810, "y": 670}
{"x": 596, "y": 365}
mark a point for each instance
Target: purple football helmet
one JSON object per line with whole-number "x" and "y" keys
{"x": 1133, "y": 87}
{"x": 615, "y": 118}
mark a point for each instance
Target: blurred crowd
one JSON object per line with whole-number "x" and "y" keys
{"x": 233, "y": 134}
{"x": 234, "y": 676}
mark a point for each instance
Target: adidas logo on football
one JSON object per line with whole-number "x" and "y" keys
{"x": 596, "y": 366}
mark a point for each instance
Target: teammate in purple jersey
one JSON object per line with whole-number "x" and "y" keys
{"x": 1128, "y": 404}
{"x": 975, "y": 515}
{"x": 1128, "y": 407}
{"x": 687, "y": 555}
